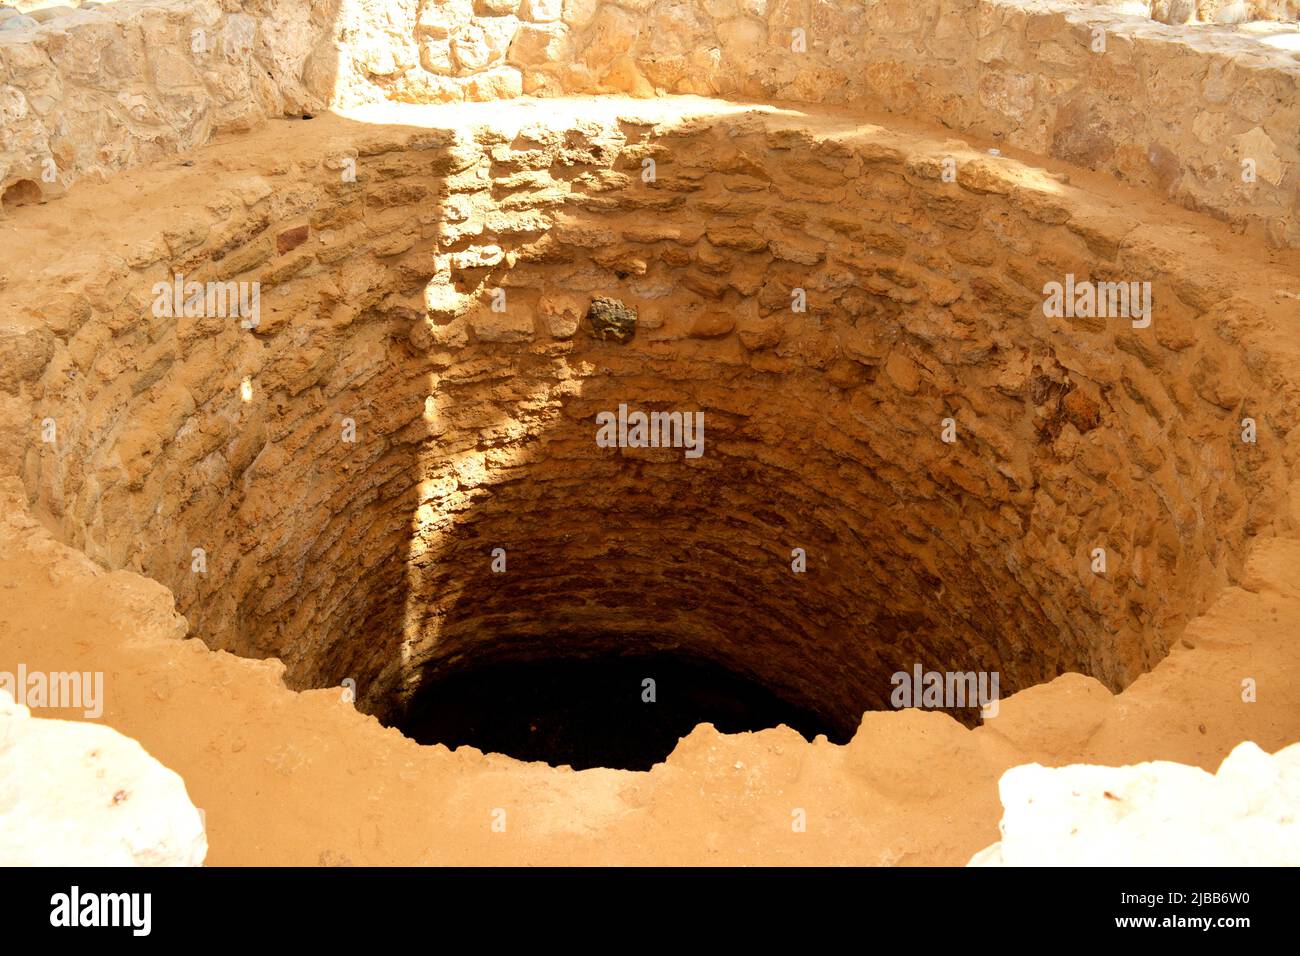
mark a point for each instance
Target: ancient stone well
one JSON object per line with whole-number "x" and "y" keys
{"x": 385, "y": 469}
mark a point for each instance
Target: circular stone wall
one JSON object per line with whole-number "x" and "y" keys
{"x": 420, "y": 399}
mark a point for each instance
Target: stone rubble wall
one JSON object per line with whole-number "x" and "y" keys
{"x": 924, "y": 301}
{"x": 98, "y": 90}
{"x": 1173, "y": 110}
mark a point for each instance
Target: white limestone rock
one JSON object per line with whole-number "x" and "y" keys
{"x": 1159, "y": 814}
{"x": 81, "y": 794}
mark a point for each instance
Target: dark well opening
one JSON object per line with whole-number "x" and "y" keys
{"x": 596, "y": 711}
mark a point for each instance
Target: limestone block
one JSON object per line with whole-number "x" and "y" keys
{"x": 1257, "y": 146}
{"x": 561, "y": 312}
{"x": 499, "y": 83}
{"x": 16, "y": 23}
{"x": 612, "y": 33}
{"x": 435, "y": 56}
{"x": 439, "y": 18}
{"x": 1173, "y": 11}
{"x": 578, "y": 13}
{"x": 541, "y": 11}
{"x": 23, "y": 354}
{"x": 514, "y": 324}
{"x": 46, "y": 14}
{"x": 443, "y": 302}
{"x": 470, "y": 49}
{"x": 540, "y": 45}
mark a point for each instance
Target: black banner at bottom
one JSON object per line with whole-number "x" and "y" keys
{"x": 970, "y": 906}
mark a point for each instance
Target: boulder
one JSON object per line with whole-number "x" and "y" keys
{"x": 81, "y": 794}
{"x": 1152, "y": 814}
